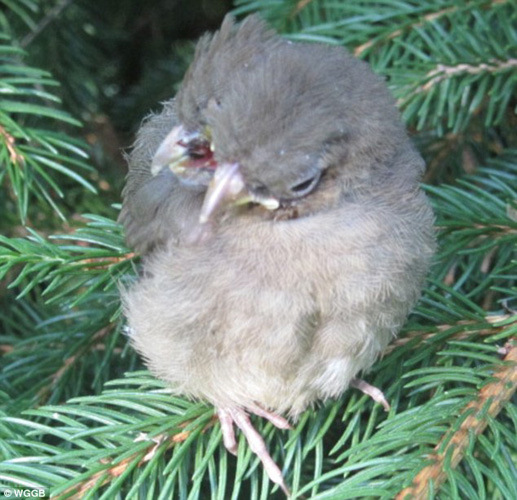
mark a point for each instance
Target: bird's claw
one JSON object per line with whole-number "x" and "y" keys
{"x": 226, "y": 421}
{"x": 376, "y": 394}
{"x": 228, "y": 417}
{"x": 277, "y": 420}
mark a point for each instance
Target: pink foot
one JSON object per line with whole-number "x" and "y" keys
{"x": 275, "y": 419}
{"x": 376, "y": 394}
{"x": 230, "y": 416}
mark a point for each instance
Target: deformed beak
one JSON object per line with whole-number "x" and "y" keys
{"x": 172, "y": 151}
{"x": 227, "y": 186}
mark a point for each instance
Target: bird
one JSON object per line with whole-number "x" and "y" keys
{"x": 284, "y": 235}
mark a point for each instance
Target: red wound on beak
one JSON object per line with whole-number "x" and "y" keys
{"x": 199, "y": 153}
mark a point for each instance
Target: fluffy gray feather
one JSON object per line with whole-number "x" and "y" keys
{"x": 277, "y": 308}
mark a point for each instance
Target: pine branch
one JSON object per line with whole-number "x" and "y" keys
{"x": 98, "y": 258}
{"x": 105, "y": 431}
{"x": 158, "y": 445}
{"x": 463, "y": 330}
{"x": 443, "y": 72}
{"x": 69, "y": 362}
{"x": 452, "y": 420}
{"x": 361, "y": 49}
{"x": 453, "y": 446}
{"x": 31, "y": 155}
{"x": 421, "y": 21}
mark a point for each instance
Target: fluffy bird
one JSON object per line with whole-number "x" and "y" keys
{"x": 276, "y": 200}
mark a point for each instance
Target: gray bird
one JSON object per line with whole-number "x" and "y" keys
{"x": 286, "y": 239}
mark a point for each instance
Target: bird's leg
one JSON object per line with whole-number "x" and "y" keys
{"x": 228, "y": 417}
{"x": 376, "y": 394}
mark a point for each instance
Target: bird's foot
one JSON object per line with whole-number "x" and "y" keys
{"x": 376, "y": 394}
{"x": 277, "y": 420}
{"x": 230, "y": 416}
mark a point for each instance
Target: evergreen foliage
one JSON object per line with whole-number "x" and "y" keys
{"x": 80, "y": 416}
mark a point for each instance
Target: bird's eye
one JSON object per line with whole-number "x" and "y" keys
{"x": 306, "y": 186}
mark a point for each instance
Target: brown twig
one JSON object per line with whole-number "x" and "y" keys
{"x": 70, "y": 361}
{"x": 104, "y": 262}
{"x": 452, "y": 447}
{"x": 496, "y": 228}
{"x": 424, "y": 19}
{"x": 300, "y": 6}
{"x": 10, "y": 144}
{"x": 442, "y": 72}
{"x": 467, "y": 332}
{"x": 495, "y": 231}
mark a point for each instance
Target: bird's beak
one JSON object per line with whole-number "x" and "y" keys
{"x": 227, "y": 187}
{"x": 172, "y": 151}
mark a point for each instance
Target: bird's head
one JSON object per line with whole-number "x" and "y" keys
{"x": 269, "y": 124}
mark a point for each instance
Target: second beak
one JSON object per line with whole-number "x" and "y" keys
{"x": 227, "y": 186}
